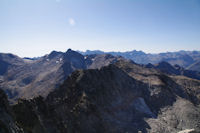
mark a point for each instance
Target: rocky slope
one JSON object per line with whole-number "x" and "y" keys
{"x": 40, "y": 76}
{"x": 122, "y": 97}
{"x": 25, "y": 78}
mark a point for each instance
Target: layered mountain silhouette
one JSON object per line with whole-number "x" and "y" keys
{"x": 95, "y": 93}
{"x": 174, "y": 70}
{"x": 181, "y": 58}
{"x": 120, "y": 97}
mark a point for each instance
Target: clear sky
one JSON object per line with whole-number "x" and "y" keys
{"x": 36, "y": 27}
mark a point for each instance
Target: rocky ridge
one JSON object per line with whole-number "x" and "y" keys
{"x": 181, "y": 58}
{"x": 123, "y": 97}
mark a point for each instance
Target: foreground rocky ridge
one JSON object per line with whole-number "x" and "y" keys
{"x": 123, "y": 97}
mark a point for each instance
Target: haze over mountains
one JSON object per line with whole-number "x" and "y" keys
{"x": 181, "y": 58}
{"x": 99, "y": 92}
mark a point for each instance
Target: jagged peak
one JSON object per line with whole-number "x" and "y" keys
{"x": 71, "y": 54}
{"x": 54, "y": 54}
{"x": 70, "y": 51}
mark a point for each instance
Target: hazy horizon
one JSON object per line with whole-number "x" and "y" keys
{"x": 94, "y": 50}
{"x": 36, "y": 27}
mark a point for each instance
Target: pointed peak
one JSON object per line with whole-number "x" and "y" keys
{"x": 69, "y": 50}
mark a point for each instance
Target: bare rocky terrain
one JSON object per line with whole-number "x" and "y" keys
{"x": 25, "y": 78}
{"x": 98, "y": 93}
{"x": 121, "y": 97}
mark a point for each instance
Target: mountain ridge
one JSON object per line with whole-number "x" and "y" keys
{"x": 115, "y": 98}
{"x": 103, "y": 93}
{"x": 40, "y": 76}
{"x": 182, "y": 58}
{"x": 28, "y": 78}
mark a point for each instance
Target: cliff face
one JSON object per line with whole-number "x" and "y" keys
{"x": 124, "y": 97}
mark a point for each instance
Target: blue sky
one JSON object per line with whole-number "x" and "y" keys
{"x": 36, "y": 27}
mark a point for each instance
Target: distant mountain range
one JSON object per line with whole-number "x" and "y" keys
{"x": 121, "y": 97}
{"x": 181, "y": 58}
{"x": 27, "y": 78}
{"x": 93, "y": 93}
{"x": 167, "y": 68}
